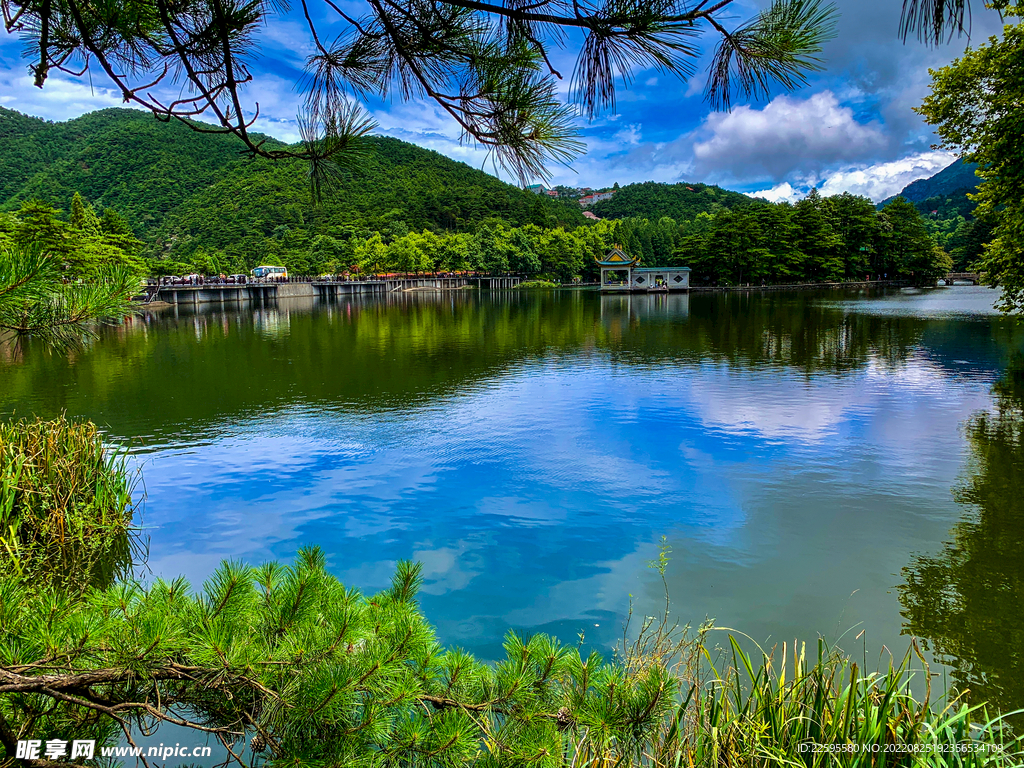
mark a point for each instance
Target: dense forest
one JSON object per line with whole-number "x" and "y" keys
{"x": 677, "y": 201}
{"x": 117, "y": 186}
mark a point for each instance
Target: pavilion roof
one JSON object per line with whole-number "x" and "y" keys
{"x": 616, "y": 257}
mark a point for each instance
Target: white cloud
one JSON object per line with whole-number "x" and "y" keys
{"x": 60, "y": 99}
{"x": 630, "y": 135}
{"x": 789, "y": 135}
{"x": 780, "y": 192}
{"x": 886, "y": 179}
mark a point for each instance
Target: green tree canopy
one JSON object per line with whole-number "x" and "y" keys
{"x": 977, "y": 108}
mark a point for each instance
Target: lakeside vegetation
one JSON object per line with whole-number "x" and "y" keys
{"x": 66, "y": 508}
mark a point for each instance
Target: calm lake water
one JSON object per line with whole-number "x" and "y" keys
{"x": 819, "y": 463}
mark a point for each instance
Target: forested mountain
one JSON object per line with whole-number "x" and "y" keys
{"x": 14, "y": 125}
{"x": 681, "y": 202}
{"x": 177, "y": 187}
{"x": 949, "y": 213}
{"x": 944, "y": 195}
{"x": 120, "y": 158}
{"x": 399, "y": 186}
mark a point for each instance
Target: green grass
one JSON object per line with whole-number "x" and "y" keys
{"x": 65, "y": 504}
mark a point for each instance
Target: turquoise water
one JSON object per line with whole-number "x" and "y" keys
{"x": 797, "y": 450}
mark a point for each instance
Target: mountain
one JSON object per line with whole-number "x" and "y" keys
{"x": 682, "y": 202}
{"x": 120, "y": 158}
{"x": 945, "y": 192}
{"x": 398, "y": 186}
{"x": 181, "y": 190}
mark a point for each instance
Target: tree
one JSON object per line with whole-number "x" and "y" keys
{"x": 486, "y": 65}
{"x": 560, "y": 254}
{"x": 906, "y": 247}
{"x": 39, "y": 225}
{"x": 817, "y": 239}
{"x": 853, "y": 220}
{"x": 83, "y": 217}
{"x": 489, "y": 247}
{"x": 977, "y": 108}
{"x": 522, "y": 259}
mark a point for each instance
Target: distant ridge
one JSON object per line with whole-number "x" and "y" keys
{"x": 956, "y": 180}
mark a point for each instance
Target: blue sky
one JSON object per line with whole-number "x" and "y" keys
{"x": 851, "y": 129}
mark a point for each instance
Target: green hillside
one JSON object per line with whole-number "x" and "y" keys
{"x": 682, "y": 202}
{"x": 15, "y": 125}
{"x": 118, "y": 158}
{"x": 949, "y": 213}
{"x": 399, "y": 186}
{"x": 181, "y": 190}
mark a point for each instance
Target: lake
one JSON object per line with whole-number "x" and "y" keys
{"x": 819, "y": 463}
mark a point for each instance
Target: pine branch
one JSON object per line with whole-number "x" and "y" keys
{"x": 447, "y": 51}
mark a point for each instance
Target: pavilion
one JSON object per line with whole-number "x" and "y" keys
{"x": 621, "y": 273}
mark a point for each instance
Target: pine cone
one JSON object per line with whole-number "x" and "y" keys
{"x": 564, "y": 718}
{"x": 258, "y": 743}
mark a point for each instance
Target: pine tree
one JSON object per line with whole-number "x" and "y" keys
{"x": 817, "y": 239}
{"x": 83, "y": 217}
{"x": 908, "y": 249}
{"x": 311, "y": 673}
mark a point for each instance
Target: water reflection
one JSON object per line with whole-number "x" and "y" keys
{"x": 967, "y": 601}
{"x": 531, "y": 448}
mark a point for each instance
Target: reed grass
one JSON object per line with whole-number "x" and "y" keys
{"x": 66, "y": 504}
{"x": 738, "y": 705}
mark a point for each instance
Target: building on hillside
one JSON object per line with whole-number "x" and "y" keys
{"x": 621, "y": 273}
{"x": 588, "y": 200}
{"x": 540, "y": 189}
{"x": 590, "y": 215}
